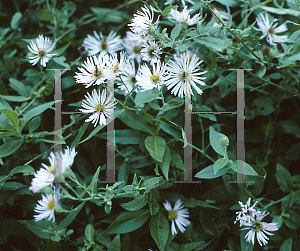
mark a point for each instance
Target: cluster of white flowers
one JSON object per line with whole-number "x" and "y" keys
{"x": 251, "y": 218}
{"x": 59, "y": 163}
{"x": 47, "y": 175}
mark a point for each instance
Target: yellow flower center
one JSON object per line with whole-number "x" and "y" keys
{"x": 52, "y": 169}
{"x": 172, "y": 214}
{"x": 100, "y": 108}
{"x": 154, "y": 78}
{"x": 184, "y": 76}
{"x": 133, "y": 80}
{"x": 116, "y": 68}
{"x": 42, "y": 53}
{"x": 97, "y": 73}
{"x": 104, "y": 46}
{"x": 137, "y": 49}
{"x": 271, "y": 30}
{"x": 51, "y": 205}
{"x": 257, "y": 226}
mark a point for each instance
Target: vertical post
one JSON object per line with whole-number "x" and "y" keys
{"x": 188, "y": 157}
{"x": 110, "y": 146}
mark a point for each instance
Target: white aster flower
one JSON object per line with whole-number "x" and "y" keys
{"x": 182, "y": 74}
{"x": 260, "y": 228}
{"x": 133, "y": 45}
{"x": 46, "y": 206}
{"x": 148, "y": 79}
{"x": 269, "y": 29}
{"x": 177, "y": 215}
{"x": 59, "y": 162}
{"x": 151, "y": 52}
{"x": 115, "y": 67}
{"x": 100, "y": 105}
{"x": 142, "y": 21}
{"x": 184, "y": 17}
{"x": 42, "y": 47}
{"x": 246, "y": 211}
{"x": 129, "y": 79}
{"x": 94, "y": 71}
{"x": 110, "y": 45}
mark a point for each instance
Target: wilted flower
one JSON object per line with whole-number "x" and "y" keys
{"x": 246, "y": 211}
{"x": 42, "y": 47}
{"x": 177, "y": 215}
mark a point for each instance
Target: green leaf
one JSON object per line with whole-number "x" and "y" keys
{"x": 284, "y": 178}
{"x": 144, "y": 97}
{"x": 12, "y": 116}
{"x": 177, "y": 161}
{"x": 208, "y": 173}
{"x": 89, "y": 233}
{"x": 165, "y": 12}
{"x": 32, "y": 73}
{"x": 70, "y": 217}
{"x": 165, "y": 164}
{"x": 210, "y": 42}
{"x": 219, "y": 164}
{"x": 159, "y": 229}
{"x": 61, "y": 61}
{"x": 26, "y": 170}
{"x": 79, "y": 135}
{"x": 15, "y": 20}
{"x": 207, "y": 222}
{"x": 124, "y": 137}
{"x": 215, "y": 140}
{"x": 15, "y": 98}
{"x": 37, "y": 227}
{"x": 92, "y": 188}
{"x": 176, "y": 31}
{"x": 280, "y": 11}
{"x": 137, "y": 203}
{"x": 150, "y": 183}
{"x": 197, "y": 203}
{"x": 135, "y": 121}
{"x": 93, "y": 133}
{"x": 191, "y": 246}
{"x": 44, "y": 14}
{"x": 209, "y": 116}
{"x": 19, "y": 87}
{"x": 36, "y": 111}
{"x": 10, "y": 147}
{"x": 13, "y": 185}
{"x": 34, "y": 124}
{"x": 52, "y": 246}
{"x": 184, "y": 47}
{"x": 243, "y": 168}
{"x": 115, "y": 245}
{"x": 156, "y": 146}
{"x": 287, "y": 245}
{"x": 127, "y": 222}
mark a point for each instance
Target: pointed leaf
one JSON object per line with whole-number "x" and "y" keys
{"x": 156, "y": 146}
{"x": 159, "y": 229}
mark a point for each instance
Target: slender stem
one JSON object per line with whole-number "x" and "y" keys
{"x": 271, "y": 83}
{"x": 30, "y": 103}
{"x": 199, "y": 150}
{"x": 221, "y": 21}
